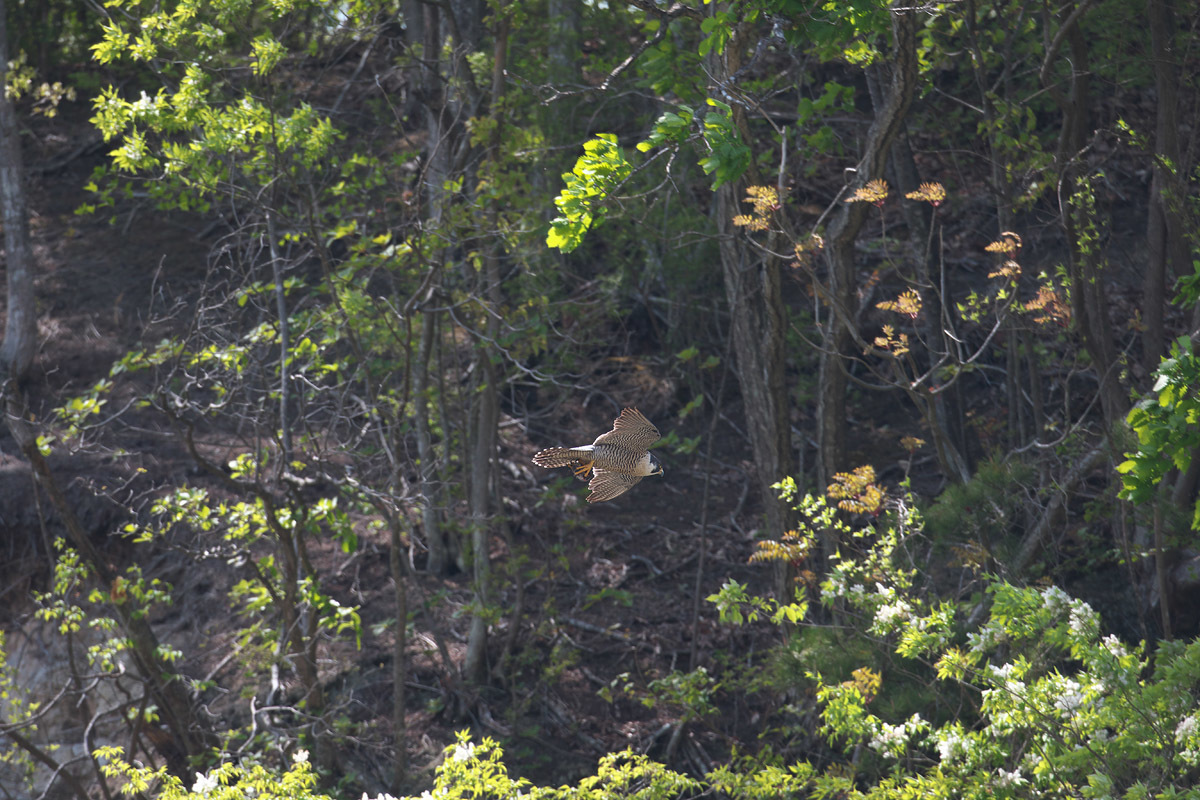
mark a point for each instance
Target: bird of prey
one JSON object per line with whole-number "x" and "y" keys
{"x": 617, "y": 460}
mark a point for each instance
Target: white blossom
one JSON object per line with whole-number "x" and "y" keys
{"x": 835, "y": 584}
{"x": 1186, "y": 728}
{"x": 983, "y": 640}
{"x": 890, "y": 613}
{"x": 951, "y": 745}
{"x": 203, "y": 784}
{"x": 462, "y": 751}
{"x": 1055, "y": 599}
{"x": 888, "y": 738}
{"x": 1003, "y": 675}
{"x": 1082, "y": 618}
{"x": 1114, "y": 646}
{"x": 1069, "y": 697}
{"x": 1009, "y": 778}
{"x": 143, "y": 103}
{"x": 1002, "y": 671}
{"x": 300, "y": 757}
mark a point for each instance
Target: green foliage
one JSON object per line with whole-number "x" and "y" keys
{"x": 689, "y": 695}
{"x": 737, "y": 606}
{"x": 18, "y": 712}
{"x": 21, "y": 82}
{"x": 603, "y": 168}
{"x": 1060, "y": 704}
{"x": 253, "y": 530}
{"x": 468, "y": 770}
{"x": 1048, "y": 706}
{"x": 718, "y": 29}
{"x": 671, "y": 67}
{"x": 1188, "y": 286}
{"x": 982, "y": 514}
{"x": 229, "y": 781}
{"x": 76, "y": 606}
{"x": 728, "y": 156}
{"x": 811, "y": 115}
{"x": 598, "y": 172}
{"x": 673, "y": 128}
{"x": 202, "y": 134}
{"x": 1167, "y": 424}
{"x": 849, "y": 30}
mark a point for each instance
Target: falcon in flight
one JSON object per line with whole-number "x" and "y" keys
{"x": 617, "y": 460}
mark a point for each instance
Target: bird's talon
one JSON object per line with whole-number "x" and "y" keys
{"x": 582, "y": 470}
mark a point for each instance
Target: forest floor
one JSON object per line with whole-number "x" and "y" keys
{"x": 614, "y": 588}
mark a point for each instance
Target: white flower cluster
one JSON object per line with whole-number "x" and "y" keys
{"x": 1114, "y": 646}
{"x": 143, "y": 103}
{"x": 1055, "y": 600}
{"x": 1108, "y": 663}
{"x": 1006, "y": 778}
{"x": 1187, "y": 728}
{"x": 1004, "y": 674}
{"x": 1069, "y": 697}
{"x": 985, "y": 639}
{"x": 951, "y": 744}
{"x": 890, "y": 740}
{"x": 1186, "y": 734}
{"x": 892, "y": 612}
{"x": 204, "y": 784}
{"x": 1081, "y": 619}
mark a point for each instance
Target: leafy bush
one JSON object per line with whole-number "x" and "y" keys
{"x": 1046, "y": 704}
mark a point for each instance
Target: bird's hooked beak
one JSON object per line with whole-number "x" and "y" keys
{"x": 655, "y": 467}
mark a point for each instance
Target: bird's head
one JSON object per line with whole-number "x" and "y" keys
{"x": 655, "y": 467}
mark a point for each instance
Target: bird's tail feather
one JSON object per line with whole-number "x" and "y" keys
{"x": 557, "y": 457}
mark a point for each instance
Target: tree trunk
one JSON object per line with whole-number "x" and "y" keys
{"x": 839, "y": 247}
{"x": 399, "y": 657}
{"x": 435, "y": 538}
{"x": 487, "y": 396}
{"x": 757, "y": 321}
{"x": 1166, "y": 246}
{"x": 20, "y": 328}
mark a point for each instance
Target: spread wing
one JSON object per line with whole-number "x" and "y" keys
{"x": 631, "y": 430}
{"x": 606, "y": 485}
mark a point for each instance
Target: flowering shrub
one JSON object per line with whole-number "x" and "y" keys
{"x": 1055, "y": 708}
{"x": 1052, "y": 706}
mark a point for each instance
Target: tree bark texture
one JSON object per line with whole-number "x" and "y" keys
{"x": 839, "y": 246}
{"x": 20, "y": 327}
{"x": 757, "y": 321}
{"x": 487, "y": 395}
{"x": 435, "y": 537}
{"x": 1166, "y": 246}
{"x": 399, "y": 657}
